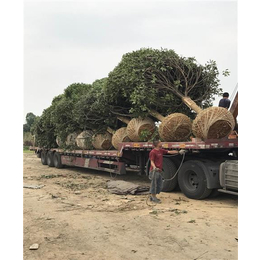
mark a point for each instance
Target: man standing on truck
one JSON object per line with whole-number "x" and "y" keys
{"x": 224, "y": 102}
{"x": 156, "y": 158}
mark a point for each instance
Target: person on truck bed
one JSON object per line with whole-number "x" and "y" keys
{"x": 156, "y": 158}
{"x": 224, "y": 102}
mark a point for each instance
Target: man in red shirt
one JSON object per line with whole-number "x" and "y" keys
{"x": 156, "y": 158}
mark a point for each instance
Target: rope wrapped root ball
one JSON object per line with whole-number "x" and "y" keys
{"x": 84, "y": 140}
{"x": 71, "y": 139}
{"x": 139, "y": 129}
{"x": 120, "y": 136}
{"x": 102, "y": 141}
{"x": 175, "y": 127}
{"x": 213, "y": 123}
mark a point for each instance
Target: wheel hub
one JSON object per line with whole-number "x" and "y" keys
{"x": 193, "y": 180}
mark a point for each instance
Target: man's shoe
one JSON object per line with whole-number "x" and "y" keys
{"x": 155, "y": 200}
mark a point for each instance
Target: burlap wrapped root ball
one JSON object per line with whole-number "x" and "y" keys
{"x": 84, "y": 140}
{"x": 71, "y": 139}
{"x": 102, "y": 141}
{"x": 139, "y": 129}
{"x": 120, "y": 136}
{"x": 175, "y": 127}
{"x": 213, "y": 123}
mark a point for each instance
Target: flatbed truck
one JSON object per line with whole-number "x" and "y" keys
{"x": 207, "y": 167}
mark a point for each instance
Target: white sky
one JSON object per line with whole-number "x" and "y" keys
{"x": 81, "y": 41}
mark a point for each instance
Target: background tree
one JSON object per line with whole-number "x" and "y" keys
{"x": 30, "y": 118}
{"x": 26, "y": 128}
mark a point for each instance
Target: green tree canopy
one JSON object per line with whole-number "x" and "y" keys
{"x": 63, "y": 106}
{"x": 43, "y": 129}
{"x": 92, "y": 111}
{"x": 30, "y": 119}
{"x": 147, "y": 79}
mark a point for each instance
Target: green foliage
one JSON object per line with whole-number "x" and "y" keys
{"x": 63, "y": 107}
{"x": 30, "y": 118}
{"x": 144, "y": 135}
{"x": 155, "y": 135}
{"x": 43, "y": 129}
{"x": 28, "y": 139}
{"x": 26, "y": 149}
{"x": 26, "y": 128}
{"x": 92, "y": 110}
{"x": 80, "y": 107}
{"x": 226, "y": 73}
{"x": 150, "y": 78}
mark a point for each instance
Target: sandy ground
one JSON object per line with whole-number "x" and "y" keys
{"x": 74, "y": 217}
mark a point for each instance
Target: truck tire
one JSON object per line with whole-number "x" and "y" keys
{"x": 57, "y": 160}
{"x": 169, "y": 169}
{"x": 177, "y": 161}
{"x": 192, "y": 180}
{"x": 44, "y": 158}
{"x": 50, "y": 159}
{"x": 214, "y": 193}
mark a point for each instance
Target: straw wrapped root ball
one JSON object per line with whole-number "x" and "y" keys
{"x": 71, "y": 139}
{"x": 84, "y": 140}
{"x": 102, "y": 141}
{"x": 213, "y": 123}
{"x": 120, "y": 136}
{"x": 139, "y": 129}
{"x": 175, "y": 127}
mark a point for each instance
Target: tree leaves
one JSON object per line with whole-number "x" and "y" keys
{"x": 148, "y": 79}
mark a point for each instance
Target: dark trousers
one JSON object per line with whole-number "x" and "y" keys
{"x": 156, "y": 182}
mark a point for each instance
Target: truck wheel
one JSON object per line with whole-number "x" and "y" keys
{"x": 50, "y": 159}
{"x": 192, "y": 180}
{"x": 169, "y": 169}
{"x": 214, "y": 193}
{"x": 44, "y": 158}
{"x": 57, "y": 160}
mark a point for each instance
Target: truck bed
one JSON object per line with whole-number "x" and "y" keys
{"x": 134, "y": 146}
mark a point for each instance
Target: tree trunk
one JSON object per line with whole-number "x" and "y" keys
{"x": 110, "y": 130}
{"x": 124, "y": 119}
{"x": 191, "y": 104}
{"x": 156, "y": 115}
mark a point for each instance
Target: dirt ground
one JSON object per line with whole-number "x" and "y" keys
{"x": 75, "y": 217}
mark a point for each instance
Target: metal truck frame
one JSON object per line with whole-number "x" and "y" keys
{"x": 198, "y": 175}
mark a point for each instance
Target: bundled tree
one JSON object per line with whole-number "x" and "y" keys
{"x": 184, "y": 77}
{"x": 130, "y": 90}
{"x": 157, "y": 81}
{"x": 93, "y": 113}
{"x": 66, "y": 125}
{"x": 92, "y": 110}
{"x": 44, "y": 130}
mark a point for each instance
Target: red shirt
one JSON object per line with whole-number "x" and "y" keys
{"x": 157, "y": 156}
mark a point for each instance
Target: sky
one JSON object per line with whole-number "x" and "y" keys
{"x": 81, "y": 41}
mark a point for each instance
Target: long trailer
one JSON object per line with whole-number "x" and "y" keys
{"x": 207, "y": 166}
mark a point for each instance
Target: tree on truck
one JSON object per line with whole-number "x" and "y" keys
{"x": 146, "y": 86}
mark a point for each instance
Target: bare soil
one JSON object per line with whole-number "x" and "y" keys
{"x": 75, "y": 217}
